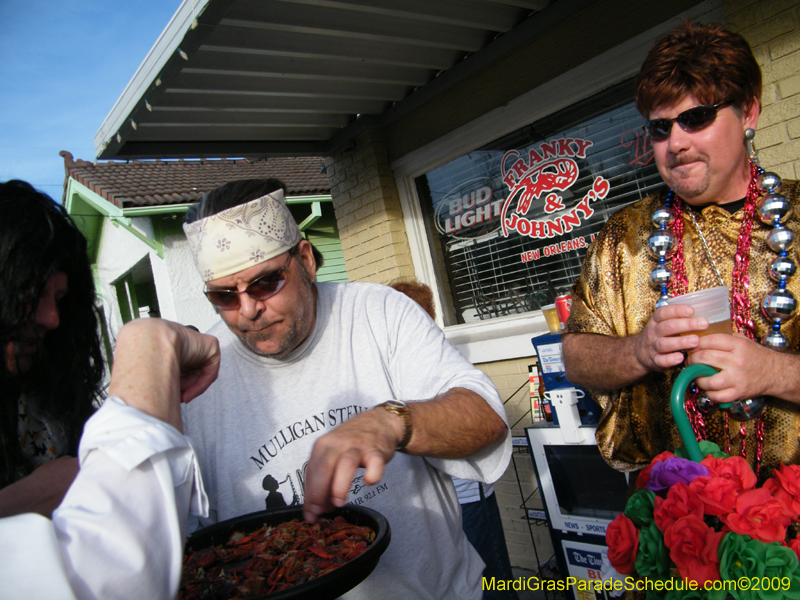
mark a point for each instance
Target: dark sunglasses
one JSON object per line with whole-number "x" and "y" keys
{"x": 694, "y": 119}
{"x": 263, "y": 288}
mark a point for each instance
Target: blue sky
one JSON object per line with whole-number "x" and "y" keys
{"x": 62, "y": 67}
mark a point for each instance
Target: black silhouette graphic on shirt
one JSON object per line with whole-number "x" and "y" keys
{"x": 275, "y": 498}
{"x": 358, "y": 485}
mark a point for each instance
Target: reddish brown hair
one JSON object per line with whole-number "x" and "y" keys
{"x": 418, "y": 292}
{"x": 706, "y": 61}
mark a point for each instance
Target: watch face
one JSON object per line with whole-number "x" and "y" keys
{"x": 401, "y": 410}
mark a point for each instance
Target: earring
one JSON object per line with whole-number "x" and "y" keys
{"x": 749, "y": 134}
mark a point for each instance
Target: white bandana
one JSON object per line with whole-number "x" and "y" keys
{"x": 243, "y": 236}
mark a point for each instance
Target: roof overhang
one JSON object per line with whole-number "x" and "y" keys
{"x": 260, "y": 78}
{"x": 265, "y": 78}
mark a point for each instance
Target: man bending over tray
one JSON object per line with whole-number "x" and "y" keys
{"x": 700, "y": 88}
{"x": 339, "y": 392}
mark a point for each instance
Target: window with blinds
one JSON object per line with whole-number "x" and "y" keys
{"x": 548, "y": 179}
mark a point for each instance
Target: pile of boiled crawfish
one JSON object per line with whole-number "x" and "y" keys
{"x": 271, "y": 559}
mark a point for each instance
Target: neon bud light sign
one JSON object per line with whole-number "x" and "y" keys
{"x": 469, "y": 211}
{"x": 547, "y": 170}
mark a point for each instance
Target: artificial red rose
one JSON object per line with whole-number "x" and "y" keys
{"x": 622, "y": 539}
{"x": 710, "y": 464}
{"x": 693, "y": 548}
{"x": 735, "y": 468}
{"x": 776, "y": 490}
{"x": 718, "y": 494}
{"x": 644, "y": 475}
{"x": 680, "y": 501}
{"x": 789, "y": 478}
{"x": 758, "y": 515}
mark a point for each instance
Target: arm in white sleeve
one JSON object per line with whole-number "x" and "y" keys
{"x": 120, "y": 530}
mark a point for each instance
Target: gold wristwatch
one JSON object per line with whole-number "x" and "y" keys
{"x": 400, "y": 408}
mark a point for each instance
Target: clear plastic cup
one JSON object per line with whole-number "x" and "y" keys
{"x": 713, "y": 305}
{"x": 551, "y": 316}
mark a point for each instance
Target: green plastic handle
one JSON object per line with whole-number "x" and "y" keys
{"x": 676, "y": 402}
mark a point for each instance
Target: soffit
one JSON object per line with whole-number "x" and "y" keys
{"x": 292, "y": 77}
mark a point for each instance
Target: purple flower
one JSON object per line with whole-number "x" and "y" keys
{"x": 668, "y": 472}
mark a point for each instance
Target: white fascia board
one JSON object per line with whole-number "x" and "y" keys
{"x": 503, "y": 338}
{"x": 109, "y": 210}
{"x": 166, "y": 45}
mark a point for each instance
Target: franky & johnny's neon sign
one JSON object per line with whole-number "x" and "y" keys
{"x": 549, "y": 169}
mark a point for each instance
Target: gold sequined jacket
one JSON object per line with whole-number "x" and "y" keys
{"x": 614, "y": 297}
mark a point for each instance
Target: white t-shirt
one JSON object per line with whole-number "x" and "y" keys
{"x": 469, "y": 491}
{"x": 120, "y": 530}
{"x": 256, "y": 425}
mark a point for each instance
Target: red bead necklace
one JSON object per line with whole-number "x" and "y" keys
{"x": 741, "y": 320}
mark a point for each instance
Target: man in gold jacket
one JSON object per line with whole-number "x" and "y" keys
{"x": 700, "y": 88}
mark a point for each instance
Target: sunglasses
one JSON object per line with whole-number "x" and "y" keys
{"x": 694, "y": 119}
{"x": 263, "y": 288}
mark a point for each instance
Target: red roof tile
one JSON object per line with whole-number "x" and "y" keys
{"x": 162, "y": 182}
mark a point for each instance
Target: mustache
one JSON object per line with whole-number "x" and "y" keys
{"x": 677, "y": 161}
{"x": 255, "y": 330}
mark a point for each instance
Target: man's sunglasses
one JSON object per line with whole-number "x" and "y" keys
{"x": 691, "y": 120}
{"x": 263, "y": 288}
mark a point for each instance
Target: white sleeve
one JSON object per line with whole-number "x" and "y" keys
{"x": 120, "y": 530}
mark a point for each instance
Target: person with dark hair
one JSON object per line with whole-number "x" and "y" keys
{"x": 52, "y": 367}
{"x": 480, "y": 514}
{"x": 721, "y": 221}
{"x": 120, "y": 530}
{"x": 320, "y": 380}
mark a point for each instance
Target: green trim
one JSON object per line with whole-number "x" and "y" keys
{"x": 324, "y": 234}
{"x": 168, "y": 226}
{"x": 146, "y": 295}
{"x": 124, "y": 299}
{"x": 126, "y": 224}
{"x": 93, "y": 199}
{"x": 151, "y": 211}
{"x": 89, "y": 222}
{"x": 316, "y": 213}
{"x": 158, "y": 235}
{"x": 308, "y": 199}
{"x": 132, "y": 296}
{"x": 86, "y": 206}
{"x": 88, "y": 209}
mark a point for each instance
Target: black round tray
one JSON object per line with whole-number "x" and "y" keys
{"x": 328, "y": 586}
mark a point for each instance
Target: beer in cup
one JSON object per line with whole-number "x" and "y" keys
{"x": 713, "y": 305}
{"x": 551, "y": 316}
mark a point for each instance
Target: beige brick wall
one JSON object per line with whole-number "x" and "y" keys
{"x": 528, "y": 544}
{"x": 772, "y": 27}
{"x": 368, "y": 212}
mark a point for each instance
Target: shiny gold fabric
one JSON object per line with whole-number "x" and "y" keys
{"x": 614, "y": 297}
